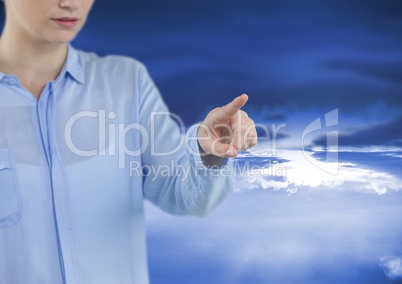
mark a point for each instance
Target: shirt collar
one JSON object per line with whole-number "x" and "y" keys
{"x": 73, "y": 65}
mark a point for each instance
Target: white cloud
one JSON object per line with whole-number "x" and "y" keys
{"x": 393, "y": 154}
{"x": 331, "y": 225}
{"x": 298, "y": 171}
{"x": 392, "y": 266}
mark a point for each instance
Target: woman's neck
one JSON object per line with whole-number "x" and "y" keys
{"x": 34, "y": 63}
{"x": 31, "y": 61}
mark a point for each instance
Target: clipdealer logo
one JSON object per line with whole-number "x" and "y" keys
{"x": 331, "y": 120}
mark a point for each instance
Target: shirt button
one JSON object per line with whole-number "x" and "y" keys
{"x": 12, "y": 81}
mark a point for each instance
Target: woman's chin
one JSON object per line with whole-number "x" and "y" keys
{"x": 61, "y": 36}
{"x": 62, "y": 39}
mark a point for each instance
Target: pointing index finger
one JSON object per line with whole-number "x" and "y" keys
{"x": 234, "y": 106}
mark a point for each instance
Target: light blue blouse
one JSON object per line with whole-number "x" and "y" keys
{"x": 76, "y": 164}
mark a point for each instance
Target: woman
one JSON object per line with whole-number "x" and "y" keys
{"x": 83, "y": 141}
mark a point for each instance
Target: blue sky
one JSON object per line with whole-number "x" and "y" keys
{"x": 295, "y": 59}
{"x": 305, "y": 53}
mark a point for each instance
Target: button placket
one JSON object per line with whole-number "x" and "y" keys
{"x": 43, "y": 123}
{"x": 60, "y": 195}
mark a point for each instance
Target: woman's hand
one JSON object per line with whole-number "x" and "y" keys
{"x": 227, "y": 130}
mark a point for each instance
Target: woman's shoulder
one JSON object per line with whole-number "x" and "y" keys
{"x": 109, "y": 62}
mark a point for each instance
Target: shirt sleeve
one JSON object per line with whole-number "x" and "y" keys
{"x": 174, "y": 177}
